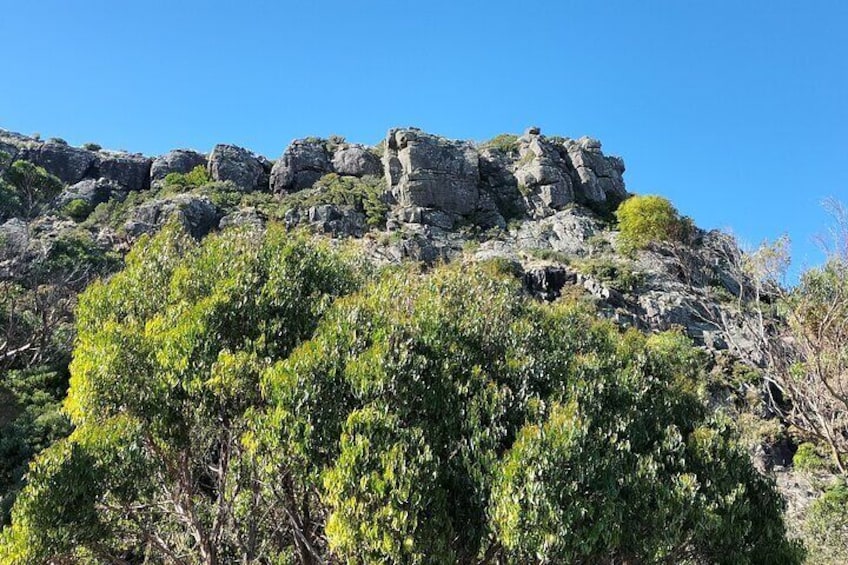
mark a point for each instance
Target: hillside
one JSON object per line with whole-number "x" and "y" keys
{"x": 540, "y": 208}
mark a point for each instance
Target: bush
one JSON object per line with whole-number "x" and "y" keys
{"x": 826, "y": 527}
{"x": 91, "y": 146}
{"x": 77, "y": 209}
{"x": 646, "y": 220}
{"x": 198, "y": 176}
{"x": 414, "y": 417}
{"x": 504, "y": 142}
{"x": 364, "y": 194}
{"x": 616, "y": 274}
{"x": 807, "y": 458}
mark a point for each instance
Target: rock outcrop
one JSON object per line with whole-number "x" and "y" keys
{"x": 177, "y": 161}
{"x": 301, "y": 164}
{"x": 130, "y": 171}
{"x": 430, "y": 172}
{"x": 197, "y": 214}
{"x": 238, "y": 166}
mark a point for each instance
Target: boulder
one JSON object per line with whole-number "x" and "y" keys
{"x": 130, "y": 171}
{"x": 69, "y": 164}
{"x": 237, "y": 165}
{"x": 197, "y": 214}
{"x": 357, "y": 161}
{"x": 176, "y": 161}
{"x": 542, "y": 175}
{"x": 91, "y": 191}
{"x": 432, "y": 172}
{"x": 340, "y": 221}
{"x": 597, "y": 179}
{"x": 243, "y": 217}
{"x": 546, "y": 281}
{"x": 301, "y": 164}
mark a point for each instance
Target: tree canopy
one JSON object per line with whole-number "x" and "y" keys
{"x": 261, "y": 398}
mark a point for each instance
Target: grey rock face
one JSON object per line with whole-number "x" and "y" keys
{"x": 237, "y": 165}
{"x": 176, "y": 161}
{"x": 244, "y": 217}
{"x": 130, "y": 171}
{"x": 301, "y": 164}
{"x": 431, "y": 172}
{"x": 357, "y": 161}
{"x": 91, "y": 191}
{"x": 70, "y": 164}
{"x": 340, "y": 221}
{"x": 566, "y": 231}
{"x": 14, "y": 238}
{"x": 542, "y": 175}
{"x": 198, "y": 215}
{"x": 597, "y": 178}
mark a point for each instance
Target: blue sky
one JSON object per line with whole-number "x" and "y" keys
{"x": 736, "y": 111}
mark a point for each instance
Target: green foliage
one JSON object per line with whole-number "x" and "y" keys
{"x": 32, "y": 420}
{"x": 386, "y": 501}
{"x": 10, "y": 202}
{"x": 618, "y": 274}
{"x": 77, "y": 209}
{"x": 366, "y": 195}
{"x": 808, "y": 458}
{"x": 91, "y": 146}
{"x": 32, "y": 186}
{"x": 302, "y": 413}
{"x": 504, "y": 142}
{"x": 181, "y": 182}
{"x": 548, "y": 254}
{"x": 826, "y": 527}
{"x": 649, "y": 219}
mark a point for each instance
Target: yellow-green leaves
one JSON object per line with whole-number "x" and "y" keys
{"x": 647, "y": 219}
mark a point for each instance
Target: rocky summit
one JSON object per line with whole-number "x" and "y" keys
{"x": 542, "y": 203}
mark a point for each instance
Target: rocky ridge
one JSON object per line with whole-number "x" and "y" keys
{"x": 517, "y": 198}
{"x": 541, "y": 206}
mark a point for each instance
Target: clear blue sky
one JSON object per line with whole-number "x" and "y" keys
{"x": 736, "y": 111}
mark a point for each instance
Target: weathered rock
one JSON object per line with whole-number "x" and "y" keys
{"x": 176, "y": 161}
{"x": 301, "y": 164}
{"x": 14, "y": 239}
{"x": 567, "y": 231}
{"x": 197, "y": 214}
{"x": 69, "y": 164}
{"x": 244, "y": 217}
{"x": 237, "y": 165}
{"x": 597, "y": 179}
{"x": 356, "y": 160}
{"x": 432, "y": 172}
{"x": 546, "y": 280}
{"x": 498, "y": 183}
{"x": 341, "y": 221}
{"x": 542, "y": 175}
{"x": 130, "y": 171}
{"x": 91, "y": 191}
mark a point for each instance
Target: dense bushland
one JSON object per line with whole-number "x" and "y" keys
{"x": 260, "y": 397}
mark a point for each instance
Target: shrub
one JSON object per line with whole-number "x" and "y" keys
{"x": 91, "y": 146}
{"x": 649, "y": 219}
{"x": 198, "y": 176}
{"x": 616, "y": 274}
{"x": 77, "y": 209}
{"x": 827, "y": 526}
{"x": 505, "y": 142}
{"x": 807, "y": 458}
{"x": 33, "y": 186}
{"x": 363, "y": 194}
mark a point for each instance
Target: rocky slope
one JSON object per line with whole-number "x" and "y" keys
{"x": 541, "y": 204}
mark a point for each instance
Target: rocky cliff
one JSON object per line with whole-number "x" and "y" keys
{"x": 540, "y": 202}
